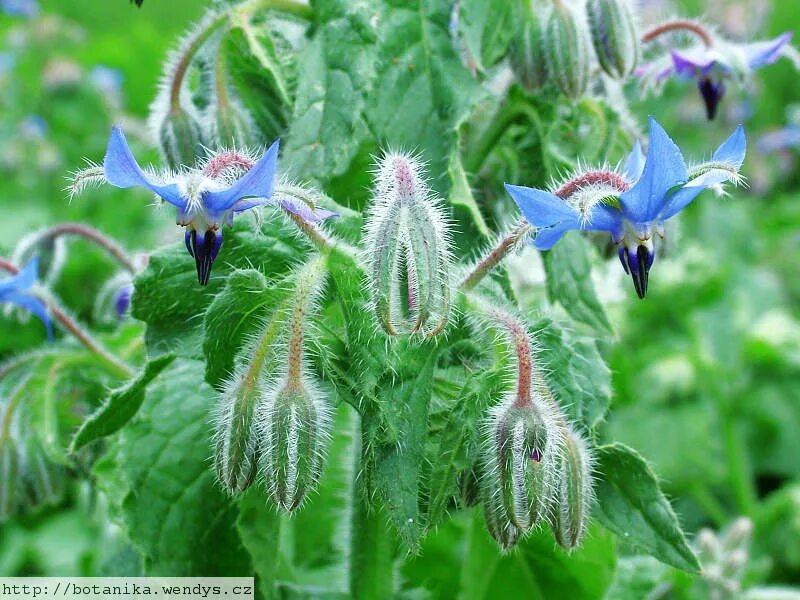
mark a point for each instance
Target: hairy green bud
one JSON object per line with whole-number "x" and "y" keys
{"x": 614, "y": 35}
{"x": 500, "y": 527}
{"x": 527, "y": 52}
{"x": 180, "y": 139}
{"x": 294, "y": 429}
{"x": 407, "y": 251}
{"x": 567, "y": 51}
{"x": 235, "y": 437}
{"x": 575, "y": 493}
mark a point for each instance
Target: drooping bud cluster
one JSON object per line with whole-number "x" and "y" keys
{"x": 527, "y": 50}
{"x": 724, "y": 557}
{"x": 272, "y": 419}
{"x": 553, "y": 43}
{"x": 567, "y": 50}
{"x": 535, "y": 467}
{"x": 614, "y": 36}
{"x": 407, "y": 250}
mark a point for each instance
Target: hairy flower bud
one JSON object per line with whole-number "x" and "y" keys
{"x": 504, "y": 532}
{"x": 567, "y": 50}
{"x": 522, "y": 441}
{"x": 527, "y": 52}
{"x": 231, "y": 125}
{"x": 180, "y": 139}
{"x": 44, "y": 478}
{"x": 574, "y": 496}
{"x": 294, "y": 427}
{"x": 407, "y": 251}
{"x": 235, "y": 436}
{"x": 614, "y": 35}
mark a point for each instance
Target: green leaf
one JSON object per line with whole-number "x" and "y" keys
{"x": 631, "y": 505}
{"x": 259, "y": 528}
{"x": 537, "y": 569}
{"x": 465, "y": 208}
{"x": 486, "y": 29}
{"x": 399, "y": 431}
{"x": 327, "y": 126}
{"x": 422, "y": 91}
{"x": 459, "y": 441}
{"x": 174, "y": 511}
{"x": 576, "y": 372}
{"x": 168, "y": 298}
{"x": 569, "y": 282}
{"x": 234, "y": 314}
{"x": 120, "y": 406}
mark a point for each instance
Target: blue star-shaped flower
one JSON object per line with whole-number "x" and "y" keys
{"x": 205, "y": 198}
{"x": 16, "y": 290}
{"x": 631, "y": 206}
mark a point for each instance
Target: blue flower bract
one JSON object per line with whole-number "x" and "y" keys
{"x": 16, "y": 290}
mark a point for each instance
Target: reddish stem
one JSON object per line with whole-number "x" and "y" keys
{"x": 610, "y": 178}
{"x": 679, "y": 25}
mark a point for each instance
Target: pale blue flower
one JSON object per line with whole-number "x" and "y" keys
{"x": 203, "y": 203}
{"x": 17, "y": 290}
{"x": 633, "y": 205}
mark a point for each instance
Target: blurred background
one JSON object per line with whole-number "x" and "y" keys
{"x": 706, "y": 371}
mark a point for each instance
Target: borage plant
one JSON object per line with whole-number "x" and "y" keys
{"x": 357, "y": 365}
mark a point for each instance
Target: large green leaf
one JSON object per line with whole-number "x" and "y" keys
{"x": 120, "y": 406}
{"x": 422, "y": 91}
{"x": 631, "y": 505}
{"x": 169, "y": 299}
{"x": 259, "y": 528}
{"x": 569, "y": 282}
{"x": 174, "y": 511}
{"x": 576, "y": 372}
{"x": 237, "y": 313}
{"x": 486, "y": 29}
{"x": 338, "y": 67}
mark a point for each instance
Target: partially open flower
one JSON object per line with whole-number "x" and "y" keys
{"x": 633, "y": 205}
{"x": 18, "y": 290}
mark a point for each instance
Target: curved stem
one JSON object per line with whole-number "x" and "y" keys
{"x": 113, "y": 249}
{"x": 318, "y": 237}
{"x": 291, "y": 7}
{"x": 115, "y": 365}
{"x": 679, "y": 25}
{"x": 185, "y": 59}
{"x": 496, "y": 254}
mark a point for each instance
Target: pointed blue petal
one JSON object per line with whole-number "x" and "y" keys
{"x": 32, "y": 304}
{"x": 635, "y": 163}
{"x": 760, "y": 54}
{"x": 547, "y": 238}
{"x": 605, "y": 218}
{"x": 733, "y": 149}
{"x": 541, "y": 208}
{"x": 257, "y": 182}
{"x": 664, "y": 169}
{"x": 122, "y": 170}
{"x": 23, "y": 280}
{"x": 679, "y": 200}
{"x": 301, "y": 209}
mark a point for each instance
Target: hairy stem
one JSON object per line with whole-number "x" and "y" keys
{"x": 115, "y": 365}
{"x": 113, "y": 249}
{"x": 185, "y": 59}
{"x": 679, "y": 25}
{"x": 290, "y": 7}
{"x": 506, "y": 244}
{"x": 308, "y": 281}
{"x": 371, "y": 543}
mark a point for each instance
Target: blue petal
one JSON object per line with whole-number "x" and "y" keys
{"x": 541, "y": 208}
{"x": 301, "y": 209}
{"x": 22, "y": 280}
{"x": 664, "y": 170}
{"x": 34, "y": 305}
{"x": 547, "y": 238}
{"x": 635, "y": 163}
{"x": 733, "y": 149}
{"x": 731, "y": 152}
{"x": 760, "y": 54}
{"x": 680, "y": 200}
{"x": 257, "y": 182}
{"x": 122, "y": 170}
